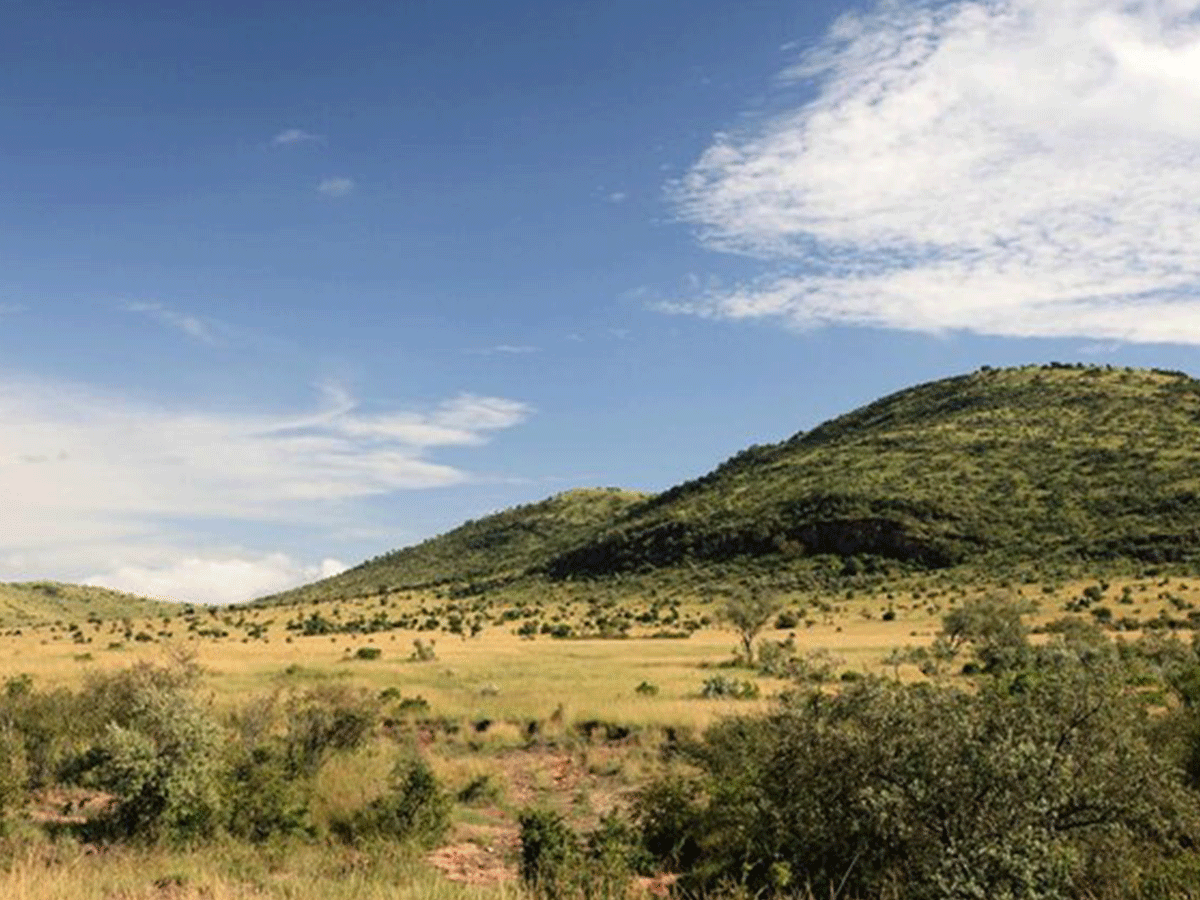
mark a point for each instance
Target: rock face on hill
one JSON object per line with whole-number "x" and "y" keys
{"x": 1041, "y": 462}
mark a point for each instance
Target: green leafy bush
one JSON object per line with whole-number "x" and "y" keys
{"x": 159, "y": 755}
{"x": 415, "y": 808}
{"x": 1041, "y": 784}
{"x": 264, "y": 797}
{"x": 325, "y": 720}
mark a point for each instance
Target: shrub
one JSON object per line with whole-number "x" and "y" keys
{"x": 551, "y": 857}
{"x": 423, "y": 652}
{"x": 732, "y": 688}
{"x": 1040, "y": 784}
{"x": 323, "y": 721}
{"x": 264, "y": 797}
{"x": 647, "y": 689}
{"x": 14, "y": 774}
{"x": 414, "y": 809}
{"x": 160, "y": 756}
{"x": 557, "y": 863}
{"x": 368, "y": 653}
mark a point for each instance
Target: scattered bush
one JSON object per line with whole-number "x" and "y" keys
{"x": 732, "y": 688}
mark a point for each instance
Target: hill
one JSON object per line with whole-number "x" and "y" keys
{"x": 51, "y": 601}
{"x": 1059, "y": 463}
{"x": 498, "y": 547}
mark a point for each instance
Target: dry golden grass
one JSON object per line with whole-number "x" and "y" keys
{"x": 498, "y": 678}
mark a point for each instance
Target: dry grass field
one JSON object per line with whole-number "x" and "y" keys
{"x": 507, "y": 722}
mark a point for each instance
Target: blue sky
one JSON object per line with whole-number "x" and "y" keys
{"x": 282, "y": 288}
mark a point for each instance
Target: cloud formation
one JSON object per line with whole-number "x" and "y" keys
{"x": 295, "y": 136}
{"x": 88, "y": 476}
{"x": 193, "y": 326}
{"x": 336, "y": 187}
{"x": 1007, "y": 167}
{"x": 216, "y": 579}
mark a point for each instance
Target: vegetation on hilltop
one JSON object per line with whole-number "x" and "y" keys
{"x": 505, "y": 545}
{"x": 1049, "y": 462}
{"x": 1059, "y": 464}
{"x": 47, "y": 601}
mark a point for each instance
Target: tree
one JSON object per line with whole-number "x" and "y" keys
{"x": 749, "y": 614}
{"x": 994, "y": 629}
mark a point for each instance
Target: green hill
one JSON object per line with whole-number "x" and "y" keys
{"x": 1057, "y": 462}
{"x": 51, "y": 601}
{"x": 1062, "y": 464}
{"x": 505, "y": 545}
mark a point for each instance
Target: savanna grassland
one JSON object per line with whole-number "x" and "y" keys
{"x": 939, "y": 647}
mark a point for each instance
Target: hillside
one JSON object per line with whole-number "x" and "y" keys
{"x": 1055, "y": 462}
{"x": 505, "y": 545}
{"x": 51, "y": 601}
{"x": 1068, "y": 464}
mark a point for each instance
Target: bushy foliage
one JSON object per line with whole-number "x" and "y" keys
{"x": 721, "y": 686}
{"x": 557, "y": 863}
{"x": 265, "y": 797}
{"x": 14, "y": 774}
{"x": 415, "y": 808}
{"x": 1042, "y": 784}
{"x": 325, "y": 720}
{"x": 159, "y": 755}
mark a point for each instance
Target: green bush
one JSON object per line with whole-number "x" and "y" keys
{"x": 416, "y": 808}
{"x": 14, "y": 774}
{"x": 264, "y": 798}
{"x": 325, "y": 720}
{"x": 732, "y": 688}
{"x": 1040, "y": 784}
{"x": 556, "y": 863}
{"x": 551, "y": 858}
{"x": 160, "y": 756}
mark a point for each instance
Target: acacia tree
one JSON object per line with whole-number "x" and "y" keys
{"x": 749, "y": 614}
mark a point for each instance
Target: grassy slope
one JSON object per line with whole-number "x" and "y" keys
{"x": 502, "y": 545}
{"x": 1000, "y": 464}
{"x": 49, "y": 601}
{"x": 1062, "y": 463}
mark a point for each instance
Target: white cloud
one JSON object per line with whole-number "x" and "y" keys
{"x": 506, "y": 349}
{"x": 215, "y": 579}
{"x": 1009, "y": 167}
{"x": 336, "y": 187}
{"x": 295, "y": 136}
{"x": 79, "y": 468}
{"x": 617, "y": 197}
{"x": 192, "y": 326}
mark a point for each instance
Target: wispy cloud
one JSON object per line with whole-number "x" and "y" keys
{"x": 336, "y": 187}
{"x": 1008, "y": 167}
{"x": 192, "y": 326}
{"x": 296, "y": 136}
{"x": 81, "y": 467}
{"x": 505, "y": 349}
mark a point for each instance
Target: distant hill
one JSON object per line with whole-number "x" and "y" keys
{"x": 505, "y": 545}
{"x": 51, "y": 601}
{"x": 1062, "y": 463}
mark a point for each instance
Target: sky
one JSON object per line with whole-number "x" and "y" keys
{"x": 284, "y": 287}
